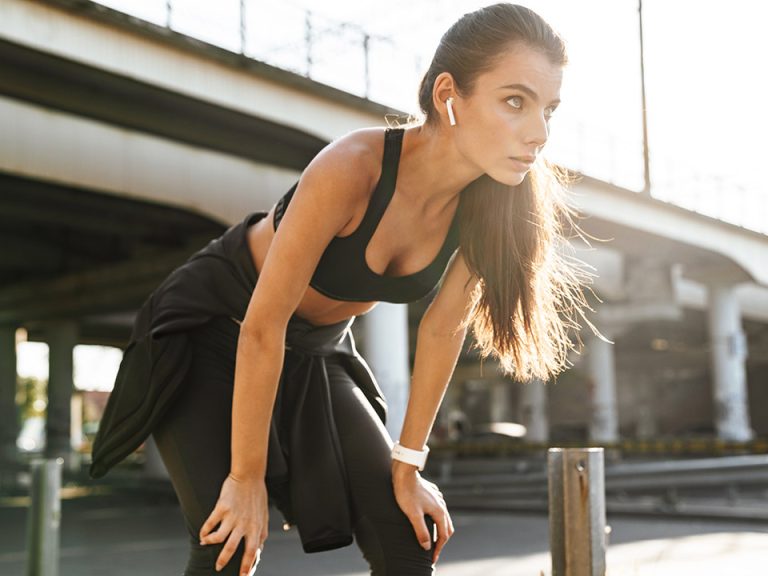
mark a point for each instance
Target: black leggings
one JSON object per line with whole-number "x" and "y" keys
{"x": 194, "y": 441}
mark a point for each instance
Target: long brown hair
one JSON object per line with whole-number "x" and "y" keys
{"x": 513, "y": 237}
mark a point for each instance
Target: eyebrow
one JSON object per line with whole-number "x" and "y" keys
{"x": 527, "y": 90}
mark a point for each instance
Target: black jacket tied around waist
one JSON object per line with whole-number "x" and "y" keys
{"x": 305, "y": 475}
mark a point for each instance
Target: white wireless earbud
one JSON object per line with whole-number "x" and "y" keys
{"x": 451, "y": 117}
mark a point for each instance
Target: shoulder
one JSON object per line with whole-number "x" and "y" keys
{"x": 363, "y": 142}
{"x": 347, "y": 168}
{"x": 341, "y": 177}
{"x": 356, "y": 154}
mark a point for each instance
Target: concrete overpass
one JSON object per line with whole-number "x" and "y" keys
{"x": 126, "y": 146}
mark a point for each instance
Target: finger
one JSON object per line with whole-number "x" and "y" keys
{"x": 229, "y": 549}
{"x": 442, "y": 536}
{"x": 210, "y": 524}
{"x": 420, "y": 527}
{"x": 221, "y": 533}
{"x": 250, "y": 557}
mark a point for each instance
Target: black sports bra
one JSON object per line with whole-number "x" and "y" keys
{"x": 343, "y": 273}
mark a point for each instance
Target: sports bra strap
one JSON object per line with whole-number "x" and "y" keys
{"x": 385, "y": 189}
{"x": 382, "y": 193}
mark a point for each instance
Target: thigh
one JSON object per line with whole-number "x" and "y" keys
{"x": 194, "y": 436}
{"x": 382, "y": 530}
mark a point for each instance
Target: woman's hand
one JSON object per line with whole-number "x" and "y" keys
{"x": 242, "y": 511}
{"x": 417, "y": 497}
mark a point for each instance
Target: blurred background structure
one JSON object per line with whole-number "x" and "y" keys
{"x": 129, "y": 139}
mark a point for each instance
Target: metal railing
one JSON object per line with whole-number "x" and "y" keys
{"x": 305, "y": 42}
{"x": 732, "y": 487}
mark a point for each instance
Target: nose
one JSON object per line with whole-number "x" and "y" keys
{"x": 538, "y": 130}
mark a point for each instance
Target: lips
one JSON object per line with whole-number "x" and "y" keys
{"x": 520, "y": 165}
{"x": 524, "y": 159}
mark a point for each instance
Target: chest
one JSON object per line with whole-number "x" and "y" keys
{"x": 406, "y": 240}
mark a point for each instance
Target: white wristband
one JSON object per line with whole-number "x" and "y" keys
{"x": 409, "y": 456}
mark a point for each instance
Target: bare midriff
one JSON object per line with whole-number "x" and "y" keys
{"x": 314, "y": 307}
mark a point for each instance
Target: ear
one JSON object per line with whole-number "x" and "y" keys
{"x": 444, "y": 88}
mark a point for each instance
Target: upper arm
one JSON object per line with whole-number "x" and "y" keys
{"x": 453, "y": 301}
{"x": 328, "y": 191}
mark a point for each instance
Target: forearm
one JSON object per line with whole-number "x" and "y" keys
{"x": 258, "y": 365}
{"x": 436, "y": 356}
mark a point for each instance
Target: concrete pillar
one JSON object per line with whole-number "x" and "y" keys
{"x": 604, "y": 426}
{"x": 649, "y": 287}
{"x": 386, "y": 350}
{"x": 500, "y": 401}
{"x": 62, "y": 338}
{"x": 9, "y": 417}
{"x": 729, "y": 353}
{"x": 533, "y": 411}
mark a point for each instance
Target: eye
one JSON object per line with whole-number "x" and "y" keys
{"x": 515, "y": 99}
{"x": 552, "y": 110}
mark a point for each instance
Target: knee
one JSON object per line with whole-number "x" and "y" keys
{"x": 391, "y": 547}
{"x": 202, "y": 560}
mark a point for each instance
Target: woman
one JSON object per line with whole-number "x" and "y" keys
{"x": 281, "y": 404}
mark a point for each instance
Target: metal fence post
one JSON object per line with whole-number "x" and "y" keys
{"x": 44, "y": 518}
{"x": 577, "y": 531}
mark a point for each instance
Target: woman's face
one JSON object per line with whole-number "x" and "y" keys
{"x": 507, "y": 114}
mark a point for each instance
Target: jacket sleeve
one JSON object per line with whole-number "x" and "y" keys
{"x": 144, "y": 388}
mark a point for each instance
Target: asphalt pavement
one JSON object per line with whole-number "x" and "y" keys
{"x": 120, "y": 531}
